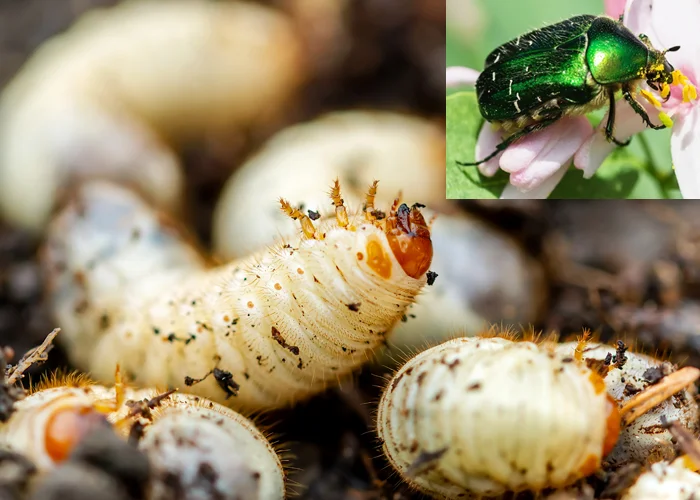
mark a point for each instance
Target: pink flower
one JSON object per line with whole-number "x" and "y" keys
{"x": 457, "y": 75}
{"x": 614, "y": 8}
{"x": 652, "y": 18}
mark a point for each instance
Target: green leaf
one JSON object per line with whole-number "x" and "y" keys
{"x": 463, "y": 122}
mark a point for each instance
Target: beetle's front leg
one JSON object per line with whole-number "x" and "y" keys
{"x": 609, "y": 127}
{"x": 626, "y": 91}
{"x": 534, "y": 127}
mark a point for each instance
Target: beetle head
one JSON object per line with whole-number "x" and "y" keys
{"x": 660, "y": 72}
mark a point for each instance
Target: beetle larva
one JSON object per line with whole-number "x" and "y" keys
{"x": 272, "y": 328}
{"x": 676, "y": 480}
{"x": 644, "y": 440}
{"x": 497, "y": 281}
{"x": 199, "y": 447}
{"x": 483, "y": 416}
{"x": 101, "y": 465}
{"x": 355, "y": 146}
{"x": 111, "y": 96}
{"x": 472, "y": 410}
{"x": 670, "y": 481}
{"x": 191, "y": 435}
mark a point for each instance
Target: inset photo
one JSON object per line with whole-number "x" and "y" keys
{"x": 586, "y": 100}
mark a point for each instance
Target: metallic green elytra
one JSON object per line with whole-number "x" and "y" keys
{"x": 568, "y": 68}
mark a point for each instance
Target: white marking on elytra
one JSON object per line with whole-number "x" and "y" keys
{"x": 517, "y": 42}
{"x": 539, "y": 98}
{"x": 498, "y": 57}
{"x": 516, "y": 106}
{"x": 527, "y": 69}
{"x": 510, "y": 88}
{"x": 493, "y": 76}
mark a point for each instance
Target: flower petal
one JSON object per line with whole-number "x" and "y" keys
{"x": 597, "y": 148}
{"x": 571, "y": 134}
{"x": 488, "y": 139}
{"x": 524, "y": 151}
{"x": 614, "y": 8}
{"x": 541, "y": 192}
{"x": 685, "y": 150}
{"x": 668, "y": 24}
{"x": 457, "y": 76}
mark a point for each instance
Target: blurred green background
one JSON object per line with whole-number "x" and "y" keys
{"x": 475, "y": 27}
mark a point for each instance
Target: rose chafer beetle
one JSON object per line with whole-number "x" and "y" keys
{"x": 569, "y": 68}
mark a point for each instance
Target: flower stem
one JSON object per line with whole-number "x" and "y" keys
{"x": 650, "y": 158}
{"x": 661, "y": 177}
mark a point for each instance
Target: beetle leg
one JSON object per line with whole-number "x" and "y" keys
{"x": 639, "y": 109}
{"x": 534, "y": 127}
{"x": 609, "y": 127}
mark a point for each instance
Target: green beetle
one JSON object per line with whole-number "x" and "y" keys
{"x": 568, "y": 68}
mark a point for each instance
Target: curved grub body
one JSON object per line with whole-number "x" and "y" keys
{"x": 189, "y": 440}
{"x": 670, "y": 481}
{"x": 115, "y": 93}
{"x": 482, "y": 416}
{"x": 278, "y": 326}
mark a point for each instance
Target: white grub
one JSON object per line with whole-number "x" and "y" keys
{"x": 406, "y": 153}
{"x": 125, "y": 85}
{"x": 211, "y": 451}
{"x": 645, "y": 440}
{"x": 667, "y": 481}
{"x": 283, "y": 323}
{"x": 207, "y": 449}
{"x": 484, "y": 277}
{"x": 482, "y": 416}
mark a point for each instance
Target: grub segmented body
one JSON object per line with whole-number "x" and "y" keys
{"x": 477, "y": 417}
{"x": 189, "y": 440}
{"x": 115, "y": 95}
{"x": 670, "y": 481}
{"x": 273, "y": 328}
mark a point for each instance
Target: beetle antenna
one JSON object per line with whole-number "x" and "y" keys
{"x": 673, "y": 49}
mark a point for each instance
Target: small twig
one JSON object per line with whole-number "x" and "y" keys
{"x": 658, "y": 393}
{"x": 33, "y": 357}
{"x": 145, "y": 406}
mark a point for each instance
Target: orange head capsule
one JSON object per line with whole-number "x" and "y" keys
{"x": 409, "y": 239}
{"x": 67, "y": 427}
